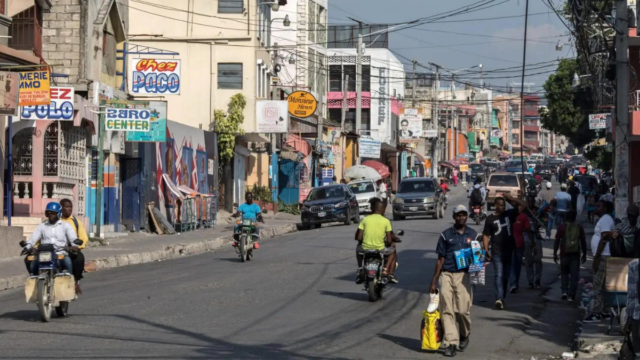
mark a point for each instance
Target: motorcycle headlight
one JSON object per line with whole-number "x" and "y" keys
{"x": 430, "y": 199}
{"x": 341, "y": 205}
{"x": 44, "y": 257}
{"x": 397, "y": 200}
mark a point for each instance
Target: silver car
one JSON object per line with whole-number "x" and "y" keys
{"x": 418, "y": 197}
{"x": 365, "y": 190}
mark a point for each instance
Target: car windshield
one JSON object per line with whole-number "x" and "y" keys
{"x": 503, "y": 180}
{"x": 416, "y": 186}
{"x": 476, "y": 167}
{"x": 362, "y": 187}
{"x": 326, "y": 193}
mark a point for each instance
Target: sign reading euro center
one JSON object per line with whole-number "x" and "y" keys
{"x": 127, "y": 119}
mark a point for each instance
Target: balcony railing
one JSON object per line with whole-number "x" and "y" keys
{"x": 26, "y": 31}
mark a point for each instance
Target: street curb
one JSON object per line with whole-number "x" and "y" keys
{"x": 169, "y": 252}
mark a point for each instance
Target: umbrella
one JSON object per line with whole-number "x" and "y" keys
{"x": 381, "y": 168}
{"x": 362, "y": 172}
{"x": 446, "y": 164}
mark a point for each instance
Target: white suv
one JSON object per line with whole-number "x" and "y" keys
{"x": 365, "y": 190}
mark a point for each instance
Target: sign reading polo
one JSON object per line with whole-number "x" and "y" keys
{"x": 155, "y": 76}
{"x": 61, "y": 107}
{"x": 302, "y": 104}
{"x": 127, "y": 119}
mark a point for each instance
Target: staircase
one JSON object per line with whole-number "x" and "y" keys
{"x": 28, "y": 224}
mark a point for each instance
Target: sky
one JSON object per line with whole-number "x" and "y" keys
{"x": 478, "y": 42}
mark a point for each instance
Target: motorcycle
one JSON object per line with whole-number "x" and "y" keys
{"x": 51, "y": 287}
{"x": 477, "y": 213}
{"x": 245, "y": 237}
{"x": 375, "y": 282}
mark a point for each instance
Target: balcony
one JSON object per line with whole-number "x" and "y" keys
{"x": 531, "y": 128}
{"x": 26, "y": 31}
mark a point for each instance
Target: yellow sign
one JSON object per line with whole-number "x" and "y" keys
{"x": 302, "y": 104}
{"x": 464, "y": 167}
{"x": 35, "y": 88}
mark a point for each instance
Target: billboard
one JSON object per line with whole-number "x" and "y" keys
{"x": 157, "y": 123}
{"x": 8, "y": 93}
{"x": 598, "y": 121}
{"x": 155, "y": 76}
{"x": 410, "y": 126}
{"x": 61, "y": 107}
{"x": 334, "y": 135}
{"x": 35, "y": 88}
{"x": 369, "y": 148}
{"x": 272, "y": 116}
{"x": 118, "y": 119}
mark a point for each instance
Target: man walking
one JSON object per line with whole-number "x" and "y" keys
{"x": 574, "y": 192}
{"x": 601, "y": 251}
{"x": 77, "y": 258}
{"x": 571, "y": 241}
{"x": 561, "y": 202}
{"x": 455, "y": 284}
{"x": 533, "y": 247}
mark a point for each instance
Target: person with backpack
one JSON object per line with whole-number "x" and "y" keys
{"x": 477, "y": 195}
{"x": 572, "y": 242}
{"x": 622, "y": 237}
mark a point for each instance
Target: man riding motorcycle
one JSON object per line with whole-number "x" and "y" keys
{"x": 477, "y": 195}
{"x": 249, "y": 210}
{"x": 56, "y": 232}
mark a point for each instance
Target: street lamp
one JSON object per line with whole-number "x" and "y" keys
{"x": 576, "y": 79}
{"x": 560, "y": 45}
{"x": 285, "y": 21}
{"x": 274, "y": 5}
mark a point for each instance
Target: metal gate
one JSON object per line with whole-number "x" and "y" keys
{"x": 131, "y": 192}
{"x": 289, "y": 181}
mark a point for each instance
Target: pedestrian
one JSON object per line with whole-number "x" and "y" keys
{"x": 454, "y": 173}
{"x": 591, "y": 206}
{"x": 521, "y": 229}
{"x": 455, "y": 284}
{"x": 601, "y": 251}
{"x": 533, "y": 247}
{"x": 571, "y": 241}
{"x": 626, "y": 229}
{"x": 334, "y": 180}
{"x": 498, "y": 232}
{"x": 546, "y": 195}
{"x": 343, "y": 181}
{"x": 632, "y": 323}
{"x": 382, "y": 191}
{"x": 561, "y": 202}
{"x": 574, "y": 192}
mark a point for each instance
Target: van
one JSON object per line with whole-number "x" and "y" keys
{"x": 503, "y": 183}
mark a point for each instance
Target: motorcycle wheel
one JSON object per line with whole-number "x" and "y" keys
{"x": 43, "y": 301}
{"x": 63, "y": 309}
{"x": 242, "y": 245}
{"x": 441, "y": 211}
{"x": 371, "y": 290}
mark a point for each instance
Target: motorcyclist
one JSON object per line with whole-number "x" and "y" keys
{"x": 249, "y": 210}
{"x": 474, "y": 197}
{"x": 56, "y": 232}
{"x": 445, "y": 189}
{"x": 532, "y": 185}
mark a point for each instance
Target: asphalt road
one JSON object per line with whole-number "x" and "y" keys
{"x": 295, "y": 300}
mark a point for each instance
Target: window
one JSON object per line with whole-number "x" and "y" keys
{"x": 335, "y": 78}
{"x": 230, "y": 76}
{"x": 416, "y": 187}
{"x": 503, "y": 180}
{"x": 366, "y": 78}
{"x": 351, "y": 71}
{"x": 312, "y": 22}
{"x": 22, "y": 152}
{"x": 230, "y": 6}
{"x": 50, "y": 165}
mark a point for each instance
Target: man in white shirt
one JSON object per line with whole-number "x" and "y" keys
{"x": 561, "y": 202}
{"x": 382, "y": 191}
{"x": 600, "y": 250}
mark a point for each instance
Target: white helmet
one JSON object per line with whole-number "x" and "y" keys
{"x": 548, "y": 184}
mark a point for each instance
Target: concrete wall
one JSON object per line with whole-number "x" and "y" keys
{"x": 10, "y": 236}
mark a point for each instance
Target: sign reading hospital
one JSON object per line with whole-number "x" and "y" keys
{"x": 155, "y": 76}
{"x": 61, "y": 107}
{"x": 34, "y": 88}
{"x": 127, "y": 119}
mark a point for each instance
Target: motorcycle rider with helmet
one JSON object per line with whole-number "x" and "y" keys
{"x": 249, "y": 210}
{"x": 56, "y": 232}
{"x": 477, "y": 195}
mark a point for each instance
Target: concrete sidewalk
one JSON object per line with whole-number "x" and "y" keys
{"x": 139, "y": 248}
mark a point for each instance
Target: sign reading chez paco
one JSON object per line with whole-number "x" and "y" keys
{"x": 302, "y": 104}
{"x": 127, "y": 119}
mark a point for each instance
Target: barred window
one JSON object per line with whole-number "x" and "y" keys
{"x": 229, "y": 76}
{"x": 230, "y": 6}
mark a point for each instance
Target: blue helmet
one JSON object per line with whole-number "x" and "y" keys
{"x": 53, "y": 206}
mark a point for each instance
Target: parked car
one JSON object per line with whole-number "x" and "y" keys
{"x": 502, "y": 183}
{"x": 418, "y": 197}
{"x": 330, "y": 203}
{"x": 493, "y": 165}
{"x": 537, "y": 158}
{"x": 365, "y": 190}
{"x": 514, "y": 166}
{"x": 477, "y": 171}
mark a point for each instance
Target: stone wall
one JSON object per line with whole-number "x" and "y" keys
{"x": 10, "y": 236}
{"x": 61, "y": 39}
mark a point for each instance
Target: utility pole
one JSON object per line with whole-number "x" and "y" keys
{"x": 359, "y": 53}
{"x": 621, "y": 150}
{"x": 510, "y": 125}
{"x": 524, "y": 65}
{"x": 413, "y": 86}
{"x": 345, "y": 109}
{"x": 100, "y": 166}
{"x": 436, "y": 125}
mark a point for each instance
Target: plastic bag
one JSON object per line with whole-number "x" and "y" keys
{"x": 626, "y": 351}
{"x": 431, "y": 330}
{"x": 580, "y": 204}
{"x": 464, "y": 257}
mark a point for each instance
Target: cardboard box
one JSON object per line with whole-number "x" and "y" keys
{"x": 616, "y": 274}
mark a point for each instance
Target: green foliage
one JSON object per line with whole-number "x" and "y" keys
{"x": 568, "y": 109}
{"x": 261, "y": 193}
{"x": 228, "y": 126}
{"x": 600, "y": 158}
{"x": 289, "y": 209}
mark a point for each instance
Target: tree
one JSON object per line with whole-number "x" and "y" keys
{"x": 228, "y": 126}
{"x": 567, "y": 108}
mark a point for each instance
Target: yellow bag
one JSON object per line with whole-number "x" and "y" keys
{"x": 431, "y": 330}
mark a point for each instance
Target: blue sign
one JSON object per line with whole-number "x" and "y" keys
{"x": 61, "y": 107}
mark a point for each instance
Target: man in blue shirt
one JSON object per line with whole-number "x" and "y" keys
{"x": 561, "y": 202}
{"x": 249, "y": 210}
{"x": 455, "y": 284}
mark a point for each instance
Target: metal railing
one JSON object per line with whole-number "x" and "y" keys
{"x": 26, "y": 31}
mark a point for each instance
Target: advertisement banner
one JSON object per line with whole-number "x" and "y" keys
{"x": 272, "y": 116}
{"x": 155, "y": 76}
{"x": 302, "y": 104}
{"x": 410, "y": 126}
{"x": 35, "y": 88}
{"x": 369, "y": 148}
{"x": 598, "y": 121}
{"x": 61, "y": 107}
{"x": 334, "y": 135}
{"x": 430, "y": 133}
{"x": 118, "y": 119}
{"x": 157, "y": 123}
{"x": 8, "y": 93}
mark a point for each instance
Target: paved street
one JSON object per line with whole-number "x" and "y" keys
{"x": 296, "y": 299}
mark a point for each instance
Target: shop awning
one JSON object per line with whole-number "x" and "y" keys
{"x": 251, "y": 137}
{"x": 418, "y": 156}
{"x": 172, "y": 187}
{"x": 241, "y": 150}
{"x": 446, "y": 164}
{"x": 299, "y": 144}
{"x": 387, "y": 147}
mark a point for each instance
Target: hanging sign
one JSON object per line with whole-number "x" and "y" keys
{"x": 410, "y": 126}
{"x": 302, "y": 104}
{"x": 35, "y": 88}
{"x": 598, "y": 121}
{"x": 157, "y": 123}
{"x": 496, "y": 133}
{"x": 8, "y": 93}
{"x": 369, "y": 148}
{"x": 127, "y": 119}
{"x": 61, "y": 107}
{"x": 272, "y": 116}
{"x": 155, "y": 76}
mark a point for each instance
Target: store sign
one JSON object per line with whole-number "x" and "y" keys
{"x": 155, "y": 76}
{"x": 157, "y": 122}
{"x": 302, "y": 104}
{"x": 382, "y": 93}
{"x": 464, "y": 168}
{"x": 369, "y": 148}
{"x": 35, "y": 88}
{"x": 430, "y": 133}
{"x": 334, "y": 135}
{"x": 598, "y": 121}
{"x": 410, "y": 126}
{"x": 127, "y": 119}
{"x": 272, "y": 116}
{"x": 61, "y": 107}
{"x": 8, "y": 93}
{"x": 496, "y": 133}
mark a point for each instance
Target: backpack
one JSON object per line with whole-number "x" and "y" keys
{"x": 476, "y": 196}
{"x": 572, "y": 238}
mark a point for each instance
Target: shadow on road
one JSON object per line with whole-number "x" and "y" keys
{"x": 412, "y": 344}
{"x": 361, "y": 296}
